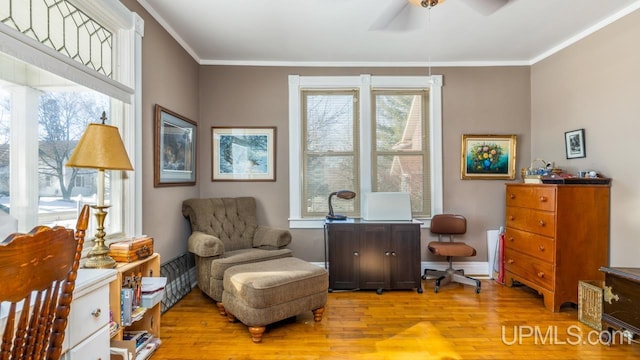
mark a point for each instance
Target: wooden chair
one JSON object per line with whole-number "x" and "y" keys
{"x": 38, "y": 272}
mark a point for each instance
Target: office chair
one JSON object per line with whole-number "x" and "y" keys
{"x": 38, "y": 272}
{"x": 449, "y": 225}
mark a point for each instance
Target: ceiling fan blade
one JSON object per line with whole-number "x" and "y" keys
{"x": 486, "y": 7}
{"x": 390, "y": 14}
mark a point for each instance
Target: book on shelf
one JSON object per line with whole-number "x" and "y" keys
{"x": 126, "y": 304}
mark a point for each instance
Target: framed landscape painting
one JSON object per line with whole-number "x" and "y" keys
{"x": 243, "y": 154}
{"x": 488, "y": 157}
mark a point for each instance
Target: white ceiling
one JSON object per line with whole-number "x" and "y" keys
{"x": 337, "y": 32}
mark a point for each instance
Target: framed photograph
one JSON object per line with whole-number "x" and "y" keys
{"x": 243, "y": 154}
{"x": 488, "y": 157}
{"x": 574, "y": 144}
{"x": 175, "y": 149}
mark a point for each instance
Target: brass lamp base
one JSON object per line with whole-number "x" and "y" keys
{"x": 98, "y": 257}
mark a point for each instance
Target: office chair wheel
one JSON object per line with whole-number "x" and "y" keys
{"x": 424, "y": 277}
{"x": 419, "y": 290}
{"x": 478, "y": 290}
{"x": 379, "y": 291}
{"x": 435, "y": 289}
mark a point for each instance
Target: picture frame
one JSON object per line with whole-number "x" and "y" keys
{"x": 243, "y": 153}
{"x": 574, "y": 144}
{"x": 488, "y": 157}
{"x": 174, "y": 149}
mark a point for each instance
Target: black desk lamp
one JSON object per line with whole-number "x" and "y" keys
{"x": 342, "y": 194}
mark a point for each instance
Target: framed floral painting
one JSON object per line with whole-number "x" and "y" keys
{"x": 488, "y": 157}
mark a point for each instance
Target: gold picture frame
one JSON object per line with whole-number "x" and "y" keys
{"x": 488, "y": 157}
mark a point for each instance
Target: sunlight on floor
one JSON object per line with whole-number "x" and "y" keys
{"x": 421, "y": 341}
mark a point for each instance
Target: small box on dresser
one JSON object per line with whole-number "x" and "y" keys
{"x": 556, "y": 235}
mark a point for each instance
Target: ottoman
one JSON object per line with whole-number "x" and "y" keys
{"x": 259, "y": 294}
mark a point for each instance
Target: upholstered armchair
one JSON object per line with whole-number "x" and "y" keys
{"x": 224, "y": 233}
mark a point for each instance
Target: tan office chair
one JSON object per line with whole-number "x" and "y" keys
{"x": 38, "y": 272}
{"x": 449, "y": 225}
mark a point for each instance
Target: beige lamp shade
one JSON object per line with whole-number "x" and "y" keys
{"x": 100, "y": 148}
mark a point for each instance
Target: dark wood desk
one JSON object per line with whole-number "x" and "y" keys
{"x": 376, "y": 255}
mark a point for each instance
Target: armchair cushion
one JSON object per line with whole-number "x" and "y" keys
{"x": 244, "y": 256}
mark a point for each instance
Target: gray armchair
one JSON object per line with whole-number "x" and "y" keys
{"x": 224, "y": 233}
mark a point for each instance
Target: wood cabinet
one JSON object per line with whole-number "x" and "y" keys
{"x": 556, "y": 235}
{"x": 621, "y": 296}
{"x": 373, "y": 255}
{"x": 150, "y": 322}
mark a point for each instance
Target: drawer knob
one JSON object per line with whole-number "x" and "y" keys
{"x": 96, "y": 313}
{"x": 540, "y": 274}
{"x": 393, "y": 253}
{"x": 355, "y": 253}
{"x": 512, "y": 196}
{"x": 542, "y": 223}
{"x": 511, "y": 261}
{"x": 541, "y": 247}
{"x": 386, "y": 253}
{"x": 511, "y": 238}
{"x": 543, "y": 199}
{"x": 511, "y": 217}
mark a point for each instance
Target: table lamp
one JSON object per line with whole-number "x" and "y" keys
{"x": 342, "y": 194}
{"x": 100, "y": 148}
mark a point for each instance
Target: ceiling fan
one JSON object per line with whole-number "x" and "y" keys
{"x": 402, "y": 15}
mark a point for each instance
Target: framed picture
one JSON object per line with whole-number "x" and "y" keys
{"x": 175, "y": 149}
{"x": 488, "y": 157}
{"x": 574, "y": 144}
{"x": 243, "y": 154}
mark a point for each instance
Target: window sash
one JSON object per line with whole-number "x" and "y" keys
{"x": 364, "y": 83}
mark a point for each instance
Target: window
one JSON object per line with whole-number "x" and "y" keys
{"x": 363, "y": 133}
{"x": 56, "y": 76}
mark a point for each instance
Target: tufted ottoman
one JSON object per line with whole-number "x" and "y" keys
{"x": 262, "y": 293}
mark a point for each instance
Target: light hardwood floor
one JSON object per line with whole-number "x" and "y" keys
{"x": 455, "y": 323}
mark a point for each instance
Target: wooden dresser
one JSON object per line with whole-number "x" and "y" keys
{"x": 555, "y": 236}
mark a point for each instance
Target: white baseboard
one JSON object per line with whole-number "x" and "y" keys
{"x": 478, "y": 269}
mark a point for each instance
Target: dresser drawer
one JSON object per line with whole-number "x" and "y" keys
{"x": 535, "y": 221}
{"x": 533, "y": 197}
{"x": 532, "y": 244}
{"x": 535, "y": 270}
{"x": 96, "y": 347}
{"x": 88, "y": 314}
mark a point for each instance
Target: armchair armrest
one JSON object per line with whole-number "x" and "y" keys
{"x": 268, "y": 237}
{"x": 205, "y": 245}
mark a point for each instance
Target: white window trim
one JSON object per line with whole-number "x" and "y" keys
{"x": 126, "y": 85}
{"x": 365, "y": 83}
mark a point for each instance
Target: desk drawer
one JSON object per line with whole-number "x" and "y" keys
{"x": 88, "y": 314}
{"x": 533, "y": 197}
{"x": 535, "y": 221}
{"x": 96, "y": 347}
{"x": 535, "y": 270}
{"x": 532, "y": 244}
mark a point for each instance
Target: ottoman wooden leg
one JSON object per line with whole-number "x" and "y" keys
{"x": 317, "y": 314}
{"x": 256, "y": 333}
{"x": 221, "y": 309}
{"x": 230, "y": 317}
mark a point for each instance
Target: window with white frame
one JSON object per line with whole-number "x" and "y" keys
{"x": 363, "y": 133}
{"x": 56, "y": 76}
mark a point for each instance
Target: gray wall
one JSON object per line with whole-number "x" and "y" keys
{"x": 591, "y": 85}
{"x": 594, "y": 85}
{"x": 483, "y": 100}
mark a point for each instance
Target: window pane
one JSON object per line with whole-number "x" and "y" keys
{"x": 398, "y": 122}
{"x": 323, "y": 175}
{"x": 329, "y": 122}
{"x": 403, "y": 173}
